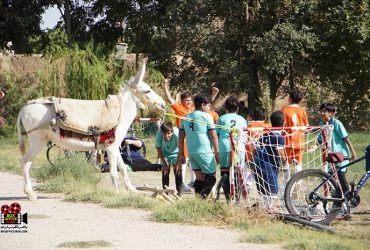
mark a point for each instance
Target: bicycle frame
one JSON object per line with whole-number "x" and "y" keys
{"x": 343, "y": 182}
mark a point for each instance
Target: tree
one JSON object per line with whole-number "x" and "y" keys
{"x": 343, "y": 58}
{"x": 236, "y": 46}
{"x": 19, "y": 20}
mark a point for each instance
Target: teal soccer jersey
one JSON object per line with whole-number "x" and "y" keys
{"x": 169, "y": 148}
{"x": 196, "y": 126}
{"x": 337, "y": 141}
{"x": 225, "y": 122}
{"x": 339, "y": 134}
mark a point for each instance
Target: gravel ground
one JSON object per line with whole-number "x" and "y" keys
{"x": 52, "y": 221}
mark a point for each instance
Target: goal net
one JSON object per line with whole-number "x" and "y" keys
{"x": 145, "y": 127}
{"x": 261, "y": 180}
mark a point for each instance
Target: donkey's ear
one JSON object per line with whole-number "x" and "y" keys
{"x": 139, "y": 75}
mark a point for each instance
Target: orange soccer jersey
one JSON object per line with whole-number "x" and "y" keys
{"x": 214, "y": 115}
{"x": 294, "y": 138}
{"x": 253, "y": 135}
{"x": 181, "y": 110}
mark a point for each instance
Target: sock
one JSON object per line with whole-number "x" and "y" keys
{"x": 183, "y": 171}
{"x": 198, "y": 186}
{"x": 286, "y": 173}
{"x": 178, "y": 182}
{"x": 249, "y": 177}
{"x": 209, "y": 182}
{"x": 298, "y": 168}
{"x": 226, "y": 187}
{"x": 192, "y": 176}
{"x": 165, "y": 180}
{"x": 297, "y": 165}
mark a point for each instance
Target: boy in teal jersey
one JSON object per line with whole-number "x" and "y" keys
{"x": 230, "y": 120}
{"x": 339, "y": 141}
{"x": 202, "y": 143}
{"x": 166, "y": 142}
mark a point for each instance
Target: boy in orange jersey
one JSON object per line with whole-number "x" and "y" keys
{"x": 295, "y": 116}
{"x": 182, "y": 109}
{"x": 255, "y": 130}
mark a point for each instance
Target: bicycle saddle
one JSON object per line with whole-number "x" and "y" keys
{"x": 335, "y": 157}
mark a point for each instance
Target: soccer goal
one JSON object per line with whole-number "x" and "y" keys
{"x": 261, "y": 180}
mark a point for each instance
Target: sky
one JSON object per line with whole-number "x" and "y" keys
{"x": 50, "y": 18}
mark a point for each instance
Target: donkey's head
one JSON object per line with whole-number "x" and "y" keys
{"x": 144, "y": 96}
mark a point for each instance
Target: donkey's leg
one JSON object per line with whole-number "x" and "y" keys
{"x": 123, "y": 169}
{"x": 26, "y": 162}
{"x": 113, "y": 155}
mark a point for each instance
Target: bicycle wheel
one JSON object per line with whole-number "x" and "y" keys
{"x": 306, "y": 195}
{"x": 55, "y": 153}
{"x": 92, "y": 158}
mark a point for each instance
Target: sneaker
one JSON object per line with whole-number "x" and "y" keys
{"x": 191, "y": 184}
{"x": 185, "y": 189}
{"x": 344, "y": 214}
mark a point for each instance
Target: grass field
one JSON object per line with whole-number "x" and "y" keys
{"x": 256, "y": 226}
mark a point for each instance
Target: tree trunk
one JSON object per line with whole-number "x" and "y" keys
{"x": 254, "y": 94}
{"x": 67, "y": 21}
{"x": 275, "y": 83}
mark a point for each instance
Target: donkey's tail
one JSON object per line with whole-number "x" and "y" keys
{"x": 21, "y": 144}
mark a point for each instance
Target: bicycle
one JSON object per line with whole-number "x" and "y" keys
{"x": 55, "y": 154}
{"x": 319, "y": 196}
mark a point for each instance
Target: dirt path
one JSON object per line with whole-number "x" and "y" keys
{"x": 52, "y": 221}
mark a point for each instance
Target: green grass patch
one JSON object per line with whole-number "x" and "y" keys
{"x": 131, "y": 200}
{"x": 67, "y": 176}
{"x": 192, "y": 211}
{"x": 197, "y": 211}
{"x": 296, "y": 237}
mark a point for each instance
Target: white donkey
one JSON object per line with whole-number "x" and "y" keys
{"x": 42, "y": 122}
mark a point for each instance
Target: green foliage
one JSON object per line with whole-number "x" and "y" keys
{"x": 13, "y": 101}
{"x": 57, "y": 42}
{"x": 343, "y": 27}
{"x": 78, "y": 73}
{"x": 276, "y": 49}
{"x": 86, "y": 76}
{"x": 20, "y": 20}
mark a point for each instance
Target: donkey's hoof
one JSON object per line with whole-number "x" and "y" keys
{"x": 32, "y": 197}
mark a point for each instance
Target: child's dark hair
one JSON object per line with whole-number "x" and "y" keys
{"x": 232, "y": 104}
{"x": 277, "y": 119}
{"x": 185, "y": 94}
{"x": 296, "y": 95}
{"x": 202, "y": 98}
{"x": 327, "y": 106}
{"x": 259, "y": 114}
{"x": 166, "y": 127}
